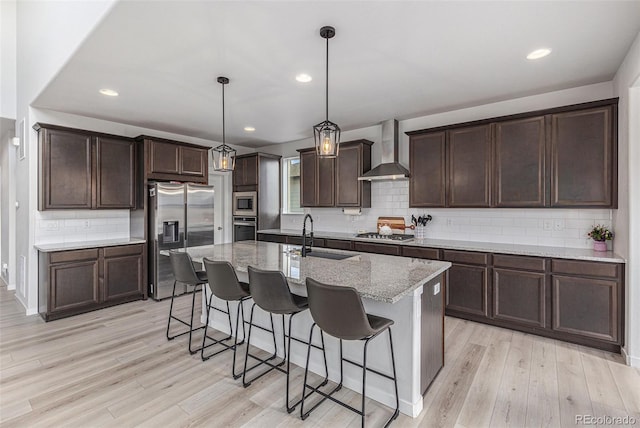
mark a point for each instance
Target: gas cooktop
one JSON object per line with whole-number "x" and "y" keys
{"x": 395, "y": 237}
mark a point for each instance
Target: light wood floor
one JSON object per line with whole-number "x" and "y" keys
{"x": 114, "y": 368}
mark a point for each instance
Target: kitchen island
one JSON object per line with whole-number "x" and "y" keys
{"x": 408, "y": 291}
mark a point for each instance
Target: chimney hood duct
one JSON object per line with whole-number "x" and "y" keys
{"x": 390, "y": 168}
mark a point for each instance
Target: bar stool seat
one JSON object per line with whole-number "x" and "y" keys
{"x": 224, "y": 284}
{"x": 338, "y": 311}
{"x": 270, "y": 292}
{"x": 185, "y": 273}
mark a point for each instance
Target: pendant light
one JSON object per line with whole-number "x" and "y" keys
{"x": 327, "y": 134}
{"x": 224, "y": 157}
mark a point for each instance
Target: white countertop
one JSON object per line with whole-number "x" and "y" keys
{"x": 50, "y": 248}
{"x": 489, "y": 247}
{"x": 378, "y": 277}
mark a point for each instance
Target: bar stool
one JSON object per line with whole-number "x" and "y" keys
{"x": 338, "y": 311}
{"x": 224, "y": 285}
{"x": 185, "y": 273}
{"x": 270, "y": 291}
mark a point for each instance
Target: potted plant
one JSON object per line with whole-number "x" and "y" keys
{"x": 600, "y": 234}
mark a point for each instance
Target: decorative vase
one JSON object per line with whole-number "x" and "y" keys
{"x": 600, "y": 245}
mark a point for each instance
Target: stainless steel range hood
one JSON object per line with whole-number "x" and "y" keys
{"x": 390, "y": 168}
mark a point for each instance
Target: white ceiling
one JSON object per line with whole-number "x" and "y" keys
{"x": 389, "y": 59}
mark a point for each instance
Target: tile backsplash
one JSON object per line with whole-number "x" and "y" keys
{"x": 80, "y": 225}
{"x": 545, "y": 227}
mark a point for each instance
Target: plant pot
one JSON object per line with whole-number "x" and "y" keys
{"x": 600, "y": 245}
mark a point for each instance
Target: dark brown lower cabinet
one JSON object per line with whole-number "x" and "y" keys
{"x": 587, "y": 307}
{"x": 467, "y": 290}
{"x": 78, "y": 281}
{"x": 519, "y": 296}
{"x": 74, "y": 283}
{"x": 123, "y": 272}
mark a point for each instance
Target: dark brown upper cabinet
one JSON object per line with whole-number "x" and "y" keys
{"x": 520, "y": 162}
{"x": 427, "y": 162}
{"x": 174, "y": 160}
{"x": 469, "y": 166}
{"x": 354, "y": 159}
{"x": 334, "y": 182}
{"x": 561, "y": 157}
{"x": 84, "y": 170}
{"x": 116, "y": 173}
{"x": 583, "y": 158}
{"x": 245, "y": 173}
{"x": 317, "y": 179}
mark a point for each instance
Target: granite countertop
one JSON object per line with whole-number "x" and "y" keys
{"x": 377, "y": 277}
{"x": 50, "y": 248}
{"x": 490, "y": 247}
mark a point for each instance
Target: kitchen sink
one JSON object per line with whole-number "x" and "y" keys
{"x": 322, "y": 254}
{"x": 332, "y": 256}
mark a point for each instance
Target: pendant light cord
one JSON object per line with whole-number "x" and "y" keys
{"x": 223, "y": 137}
{"x": 327, "y": 83}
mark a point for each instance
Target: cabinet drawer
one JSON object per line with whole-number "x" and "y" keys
{"x": 337, "y": 244}
{"x": 465, "y": 257}
{"x": 421, "y": 253}
{"x": 124, "y": 250}
{"x": 392, "y": 250}
{"x": 519, "y": 262}
{"x": 271, "y": 237}
{"x": 609, "y": 270}
{"x": 295, "y": 240}
{"x": 73, "y": 256}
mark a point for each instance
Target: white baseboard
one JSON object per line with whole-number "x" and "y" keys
{"x": 630, "y": 360}
{"x": 10, "y": 287}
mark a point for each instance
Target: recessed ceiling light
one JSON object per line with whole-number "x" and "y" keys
{"x": 249, "y": 128}
{"x": 303, "y": 78}
{"x": 539, "y": 53}
{"x": 109, "y": 92}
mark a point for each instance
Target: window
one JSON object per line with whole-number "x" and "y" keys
{"x": 291, "y": 186}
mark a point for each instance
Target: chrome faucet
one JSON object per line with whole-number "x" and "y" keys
{"x": 306, "y": 250}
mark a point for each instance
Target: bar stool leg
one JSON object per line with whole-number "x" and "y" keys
{"x": 193, "y": 306}
{"x": 236, "y": 343}
{"x": 173, "y": 295}
{"x": 246, "y": 383}
{"x": 364, "y": 379}
{"x": 303, "y": 414}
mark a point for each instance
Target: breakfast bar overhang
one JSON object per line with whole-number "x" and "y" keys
{"x": 408, "y": 291}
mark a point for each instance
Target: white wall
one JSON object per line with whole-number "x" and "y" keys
{"x": 524, "y": 226}
{"x": 8, "y": 59}
{"x": 7, "y": 202}
{"x": 627, "y": 217}
{"x": 47, "y": 34}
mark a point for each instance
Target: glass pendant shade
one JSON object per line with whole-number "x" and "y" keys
{"x": 327, "y": 139}
{"x": 224, "y": 158}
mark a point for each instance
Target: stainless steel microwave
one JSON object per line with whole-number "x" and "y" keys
{"x": 245, "y": 204}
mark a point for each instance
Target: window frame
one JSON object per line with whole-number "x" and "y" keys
{"x": 285, "y": 208}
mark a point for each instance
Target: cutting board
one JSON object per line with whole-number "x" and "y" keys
{"x": 395, "y": 223}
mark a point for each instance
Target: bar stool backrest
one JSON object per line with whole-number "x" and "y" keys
{"x": 338, "y": 310}
{"x": 183, "y": 269}
{"x": 270, "y": 291}
{"x": 223, "y": 280}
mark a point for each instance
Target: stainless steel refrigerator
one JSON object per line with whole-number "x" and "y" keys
{"x": 180, "y": 216}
